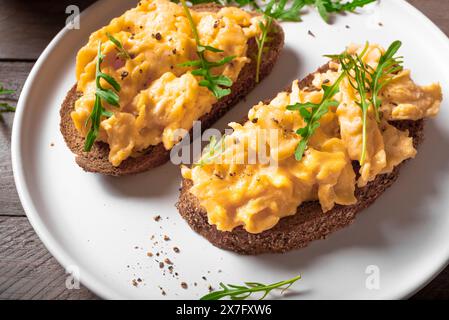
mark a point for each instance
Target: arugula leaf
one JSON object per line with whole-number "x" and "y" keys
{"x": 276, "y": 9}
{"x": 109, "y": 96}
{"x": 369, "y": 81}
{"x": 279, "y": 10}
{"x": 213, "y": 150}
{"x": 201, "y": 48}
{"x": 218, "y": 85}
{"x": 5, "y": 107}
{"x": 4, "y": 91}
{"x": 98, "y": 111}
{"x": 312, "y": 113}
{"x": 261, "y": 41}
{"x": 322, "y": 10}
{"x": 382, "y": 75}
{"x": 242, "y": 292}
{"x": 122, "y": 53}
{"x": 353, "y": 67}
{"x": 340, "y": 6}
{"x": 242, "y": 3}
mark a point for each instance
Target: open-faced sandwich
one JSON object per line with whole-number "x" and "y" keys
{"x": 156, "y": 69}
{"x": 341, "y": 135}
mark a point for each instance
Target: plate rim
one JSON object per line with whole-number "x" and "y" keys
{"x": 31, "y": 212}
{"x": 52, "y": 245}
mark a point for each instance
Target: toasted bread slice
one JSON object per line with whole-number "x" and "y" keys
{"x": 308, "y": 224}
{"x": 97, "y": 159}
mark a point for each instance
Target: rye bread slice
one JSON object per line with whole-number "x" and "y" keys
{"x": 97, "y": 159}
{"x": 308, "y": 224}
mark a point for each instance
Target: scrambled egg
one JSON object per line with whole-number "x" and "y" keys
{"x": 257, "y": 195}
{"x": 158, "y": 96}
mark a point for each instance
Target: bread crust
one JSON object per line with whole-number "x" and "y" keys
{"x": 97, "y": 159}
{"x": 308, "y": 224}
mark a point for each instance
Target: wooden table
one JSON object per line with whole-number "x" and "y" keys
{"x": 27, "y": 269}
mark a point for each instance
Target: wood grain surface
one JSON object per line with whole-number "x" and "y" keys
{"x": 27, "y": 269}
{"x": 26, "y": 27}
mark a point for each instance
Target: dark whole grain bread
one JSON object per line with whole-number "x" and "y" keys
{"x": 308, "y": 224}
{"x": 97, "y": 159}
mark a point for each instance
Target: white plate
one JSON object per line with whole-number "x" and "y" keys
{"x": 92, "y": 223}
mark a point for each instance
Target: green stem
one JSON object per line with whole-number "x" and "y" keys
{"x": 376, "y": 106}
{"x": 192, "y": 24}
{"x": 4, "y": 107}
{"x": 98, "y": 66}
{"x": 268, "y": 22}
{"x": 195, "y": 33}
{"x": 237, "y": 292}
{"x": 365, "y": 112}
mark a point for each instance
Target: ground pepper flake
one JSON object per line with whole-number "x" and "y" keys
{"x": 124, "y": 75}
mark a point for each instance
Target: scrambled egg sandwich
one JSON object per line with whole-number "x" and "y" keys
{"x": 342, "y": 134}
{"x": 156, "y": 69}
